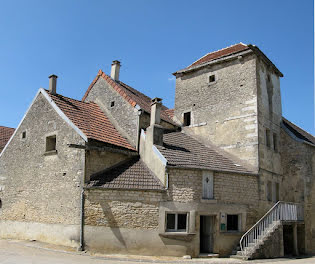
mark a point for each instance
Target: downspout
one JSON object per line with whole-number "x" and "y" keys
{"x": 81, "y": 246}
{"x": 138, "y": 128}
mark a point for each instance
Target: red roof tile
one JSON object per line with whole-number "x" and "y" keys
{"x": 131, "y": 95}
{"x": 90, "y": 119}
{"x": 220, "y": 53}
{"x": 5, "y": 135}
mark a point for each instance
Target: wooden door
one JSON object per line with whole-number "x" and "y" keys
{"x": 207, "y": 223}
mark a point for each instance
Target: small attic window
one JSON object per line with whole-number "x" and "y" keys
{"x": 212, "y": 78}
{"x": 23, "y": 134}
{"x": 51, "y": 143}
{"x": 112, "y": 103}
{"x": 187, "y": 119}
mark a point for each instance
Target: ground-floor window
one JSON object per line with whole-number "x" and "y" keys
{"x": 176, "y": 222}
{"x": 232, "y": 223}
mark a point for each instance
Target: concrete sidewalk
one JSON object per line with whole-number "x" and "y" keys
{"x": 27, "y": 252}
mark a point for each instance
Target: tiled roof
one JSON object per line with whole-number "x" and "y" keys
{"x": 5, "y": 134}
{"x": 181, "y": 150}
{"x": 169, "y": 112}
{"x": 298, "y": 132}
{"x": 131, "y": 95}
{"x": 90, "y": 119}
{"x": 220, "y": 53}
{"x": 131, "y": 174}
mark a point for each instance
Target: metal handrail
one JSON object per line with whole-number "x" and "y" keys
{"x": 280, "y": 211}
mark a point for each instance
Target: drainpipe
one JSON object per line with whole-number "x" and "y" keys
{"x": 81, "y": 247}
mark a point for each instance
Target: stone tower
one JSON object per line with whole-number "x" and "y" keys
{"x": 231, "y": 98}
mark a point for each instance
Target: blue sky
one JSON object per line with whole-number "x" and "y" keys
{"x": 152, "y": 39}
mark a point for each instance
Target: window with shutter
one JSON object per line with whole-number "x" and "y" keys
{"x": 207, "y": 185}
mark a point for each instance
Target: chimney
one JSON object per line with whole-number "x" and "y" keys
{"x": 156, "y": 105}
{"x": 114, "y": 73}
{"x": 52, "y": 83}
{"x": 155, "y": 130}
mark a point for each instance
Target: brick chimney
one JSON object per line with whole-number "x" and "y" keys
{"x": 52, "y": 83}
{"x": 114, "y": 73}
{"x": 155, "y": 130}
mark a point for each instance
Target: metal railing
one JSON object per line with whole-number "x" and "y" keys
{"x": 281, "y": 211}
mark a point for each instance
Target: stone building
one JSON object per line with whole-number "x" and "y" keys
{"x": 118, "y": 172}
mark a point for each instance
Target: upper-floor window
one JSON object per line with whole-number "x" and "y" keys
{"x": 212, "y": 78}
{"x": 51, "y": 143}
{"x": 207, "y": 185}
{"x": 112, "y": 103}
{"x": 276, "y": 192}
{"x": 269, "y": 191}
{"x": 268, "y": 138}
{"x": 176, "y": 222}
{"x": 24, "y": 134}
{"x": 187, "y": 119}
{"x": 275, "y": 142}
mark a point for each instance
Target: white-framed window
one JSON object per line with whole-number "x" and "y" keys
{"x": 207, "y": 185}
{"x": 176, "y": 222}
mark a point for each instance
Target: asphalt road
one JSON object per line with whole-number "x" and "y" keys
{"x": 27, "y": 252}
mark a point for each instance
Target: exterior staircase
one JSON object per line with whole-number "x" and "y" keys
{"x": 258, "y": 234}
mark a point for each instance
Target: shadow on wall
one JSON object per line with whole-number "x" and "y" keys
{"x": 112, "y": 223}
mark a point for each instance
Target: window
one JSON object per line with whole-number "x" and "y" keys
{"x": 176, "y": 222}
{"x": 207, "y": 185}
{"x": 269, "y": 191}
{"x": 187, "y": 119}
{"x": 275, "y": 142}
{"x": 51, "y": 143}
{"x": 211, "y": 78}
{"x": 268, "y": 138}
{"x": 232, "y": 223}
{"x": 277, "y": 190}
{"x": 112, "y": 103}
{"x": 24, "y": 134}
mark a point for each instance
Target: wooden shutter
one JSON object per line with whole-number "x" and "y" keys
{"x": 207, "y": 185}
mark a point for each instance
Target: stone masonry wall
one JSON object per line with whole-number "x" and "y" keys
{"x": 298, "y": 160}
{"x": 225, "y": 111}
{"x": 36, "y": 187}
{"x": 186, "y": 186}
{"x": 122, "y": 114}
{"x": 97, "y": 161}
{"x": 122, "y": 208}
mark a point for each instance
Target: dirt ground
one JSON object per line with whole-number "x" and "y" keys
{"x": 33, "y": 252}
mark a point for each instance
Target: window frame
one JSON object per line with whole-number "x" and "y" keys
{"x": 268, "y": 139}
{"x": 184, "y": 119}
{"x": 205, "y": 174}
{"x": 176, "y": 222}
{"x": 47, "y": 143}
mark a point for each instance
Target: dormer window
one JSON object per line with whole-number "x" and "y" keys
{"x": 187, "y": 119}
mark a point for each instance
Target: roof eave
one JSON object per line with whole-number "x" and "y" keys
{"x": 212, "y": 62}
{"x": 212, "y": 169}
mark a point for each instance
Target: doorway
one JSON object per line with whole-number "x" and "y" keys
{"x": 207, "y": 223}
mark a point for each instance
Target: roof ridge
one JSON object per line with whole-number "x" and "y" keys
{"x": 216, "y": 51}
